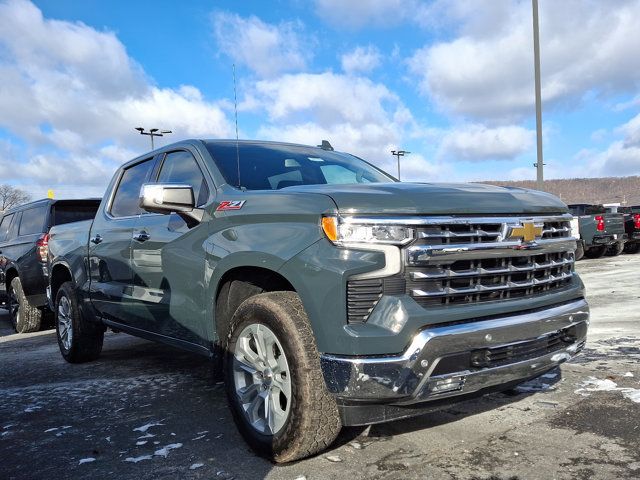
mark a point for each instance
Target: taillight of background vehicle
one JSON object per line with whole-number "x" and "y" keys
{"x": 636, "y": 221}
{"x": 42, "y": 247}
{"x": 600, "y": 224}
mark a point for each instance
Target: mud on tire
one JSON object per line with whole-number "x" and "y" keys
{"x": 24, "y": 317}
{"x": 313, "y": 421}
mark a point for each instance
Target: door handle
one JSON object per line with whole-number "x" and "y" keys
{"x": 97, "y": 239}
{"x": 141, "y": 236}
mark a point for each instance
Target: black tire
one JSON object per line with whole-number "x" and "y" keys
{"x": 313, "y": 421}
{"x": 615, "y": 249}
{"x": 25, "y": 318}
{"x": 579, "y": 255}
{"x": 85, "y": 343}
{"x": 595, "y": 252}
{"x": 631, "y": 247}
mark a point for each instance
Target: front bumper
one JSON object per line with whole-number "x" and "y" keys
{"x": 461, "y": 358}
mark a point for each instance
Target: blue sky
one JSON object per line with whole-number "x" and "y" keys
{"x": 449, "y": 80}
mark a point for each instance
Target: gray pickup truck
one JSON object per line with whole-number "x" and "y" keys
{"x": 599, "y": 232}
{"x": 327, "y": 293}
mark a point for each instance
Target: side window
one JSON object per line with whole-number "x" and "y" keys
{"x": 33, "y": 220}
{"x": 4, "y": 227}
{"x": 126, "y": 200}
{"x": 181, "y": 167}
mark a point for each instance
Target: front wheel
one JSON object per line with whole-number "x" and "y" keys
{"x": 79, "y": 340}
{"x": 274, "y": 383}
{"x": 25, "y": 318}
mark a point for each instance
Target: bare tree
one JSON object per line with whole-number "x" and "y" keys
{"x": 11, "y": 197}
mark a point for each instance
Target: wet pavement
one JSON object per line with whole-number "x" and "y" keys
{"x": 148, "y": 411}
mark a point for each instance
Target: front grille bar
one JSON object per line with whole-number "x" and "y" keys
{"x": 475, "y": 272}
{"x": 483, "y": 288}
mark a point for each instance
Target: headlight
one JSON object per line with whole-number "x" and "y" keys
{"x": 343, "y": 232}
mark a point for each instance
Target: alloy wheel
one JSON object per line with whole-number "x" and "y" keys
{"x": 262, "y": 379}
{"x": 65, "y": 324}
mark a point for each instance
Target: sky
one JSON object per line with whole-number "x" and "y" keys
{"x": 451, "y": 81}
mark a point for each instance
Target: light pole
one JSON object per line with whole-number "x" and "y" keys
{"x": 153, "y": 132}
{"x": 536, "y": 60}
{"x": 399, "y": 153}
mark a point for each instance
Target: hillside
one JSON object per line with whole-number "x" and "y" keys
{"x": 625, "y": 190}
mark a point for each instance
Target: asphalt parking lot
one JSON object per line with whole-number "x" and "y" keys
{"x": 146, "y": 411}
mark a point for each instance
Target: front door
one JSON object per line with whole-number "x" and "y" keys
{"x": 110, "y": 246}
{"x": 168, "y": 260}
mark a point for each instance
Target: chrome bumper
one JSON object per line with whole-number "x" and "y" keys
{"x": 437, "y": 364}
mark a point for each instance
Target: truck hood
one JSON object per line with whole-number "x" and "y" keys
{"x": 435, "y": 199}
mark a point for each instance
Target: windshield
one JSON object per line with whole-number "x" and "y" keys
{"x": 276, "y": 166}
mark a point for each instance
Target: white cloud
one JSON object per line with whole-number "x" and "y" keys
{"x": 476, "y": 142}
{"x": 361, "y": 59}
{"x": 486, "y": 71}
{"x": 355, "y": 114}
{"x": 67, "y": 90}
{"x": 264, "y": 48}
{"x": 621, "y": 157}
{"x": 361, "y": 13}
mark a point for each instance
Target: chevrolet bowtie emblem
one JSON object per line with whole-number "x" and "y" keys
{"x": 528, "y": 232}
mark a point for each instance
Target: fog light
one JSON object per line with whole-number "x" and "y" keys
{"x": 449, "y": 384}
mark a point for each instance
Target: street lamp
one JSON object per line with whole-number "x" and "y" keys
{"x": 153, "y": 132}
{"x": 536, "y": 67}
{"x": 399, "y": 153}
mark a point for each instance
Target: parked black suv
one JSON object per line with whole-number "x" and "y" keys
{"x": 24, "y": 246}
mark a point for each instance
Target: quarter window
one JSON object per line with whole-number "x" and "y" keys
{"x": 33, "y": 220}
{"x": 181, "y": 167}
{"x": 127, "y": 197}
{"x": 4, "y": 227}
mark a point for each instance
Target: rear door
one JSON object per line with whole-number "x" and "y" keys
{"x": 22, "y": 252}
{"x": 5, "y": 226}
{"x": 110, "y": 245}
{"x": 168, "y": 259}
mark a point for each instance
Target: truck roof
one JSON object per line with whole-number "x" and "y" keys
{"x": 52, "y": 201}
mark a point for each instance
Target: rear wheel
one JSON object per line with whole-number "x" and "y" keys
{"x": 24, "y": 317}
{"x": 595, "y": 252}
{"x": 274, "y": 383}
{"x": 631, "y": 247}
{"x": 79, "y": 340}
{"x": 615, "y": 249}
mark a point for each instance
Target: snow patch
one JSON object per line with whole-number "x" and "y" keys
{"x": 144, "y": 428}
{"x": 86, "y": 460}
{"x": 196, "y": 465}
{"x": 138, "y": 459}
{"x": 594, "y": 385}
{"x": 164, "y": 451}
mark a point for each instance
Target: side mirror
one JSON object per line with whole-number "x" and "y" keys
{"x": 170, "y": 198}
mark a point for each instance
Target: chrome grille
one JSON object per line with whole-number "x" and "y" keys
{"x": 468, "y": 260}
{"x": 484, "y": 230}
{"x": 478, "y": 280}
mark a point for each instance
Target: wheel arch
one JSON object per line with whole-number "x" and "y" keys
{"x": 11, "y": 273}
{"x": 60, "y": 273}
{"x": 236, "y": 285}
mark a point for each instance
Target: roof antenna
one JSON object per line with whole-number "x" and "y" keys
{"x": 325, "y": 145}
{"x": 235, "y": 104}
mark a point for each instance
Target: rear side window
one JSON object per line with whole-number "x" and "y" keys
{"x": 33, "y": 220}
{"x": 181, "y": 167}
{"x": 5, "y": 223}
{"x": 73, "y": 213}
{"x": 126, "y": 200}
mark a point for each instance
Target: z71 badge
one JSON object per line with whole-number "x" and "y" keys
{"x": 230, "y": 205}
